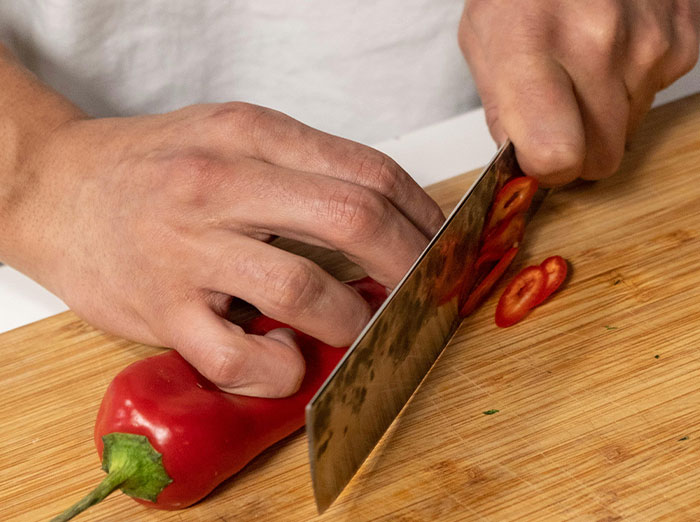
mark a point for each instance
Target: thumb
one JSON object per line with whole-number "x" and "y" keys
{"x": 539, "y": 111}
{"x": 245, "y": 364}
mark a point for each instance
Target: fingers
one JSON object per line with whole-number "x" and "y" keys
{"x": 281, "y": 140}
{"x": 481, "y": 73}
{"x": 261, "y": 366}
{"x": 284, "y": 286}
{"x": 528, "y": 96}
{"x": 563, "y": 125}
{"x": 685, "y": 43}
{"x": 539, "y": 111}
{"x": 650, "y": 46}
{"x": 662, "y": 48}
{"x": 367, "y": 208}
{"x": 604, "y": 104}
{"x": 569, "y": 82}
{"x": 260, "y": 198}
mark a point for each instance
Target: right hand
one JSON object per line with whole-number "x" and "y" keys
{"x": 570, "y": 81}
{"x": 146, "y": 226}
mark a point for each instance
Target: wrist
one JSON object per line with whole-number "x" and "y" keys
{"x": 30, "y": 112}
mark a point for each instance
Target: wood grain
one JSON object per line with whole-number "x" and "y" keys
{"x": 598, "y": 391}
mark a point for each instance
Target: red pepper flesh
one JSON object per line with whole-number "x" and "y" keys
{"x": 514, "y": 198}
{"x": 520, "y": 296}
{"x": 507, "y": 235}
{"x": 483, "y": 288}
{"x": 555, "y": 269}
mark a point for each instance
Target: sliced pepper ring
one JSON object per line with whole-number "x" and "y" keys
{"x": 555, "y": 268}
{"x": 485, "y": 286}
{"x": 507, "y": 235}
{"x": 515, "y": 197}
{"x": 520, "y": 296}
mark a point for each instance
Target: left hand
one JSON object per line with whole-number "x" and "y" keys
{"x": 569, "y": 81}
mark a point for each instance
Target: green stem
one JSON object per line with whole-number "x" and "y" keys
{"x": 132, "y": 465}
{"x": 110, "y": 483}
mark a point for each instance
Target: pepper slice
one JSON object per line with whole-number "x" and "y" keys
{"x": 485, "y": 263}
{"x": 555, "y": 268}
{"x": 520, "y": 296}
{"x": 515, "y": 197}
{"x": 507, "y": 235}
{"x": 485, "y": 286}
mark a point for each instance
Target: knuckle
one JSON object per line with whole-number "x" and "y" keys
{"x": 356, "y": 214}
{"x": 550, "y": 159}
{"x": 605, "y": 27}
{"x": 252, "y": 123}
{"x": 236, "y": 113}
{"x": 383, "y": 174}
{"x": 293, "y": 289}
{"x": 476, "y": 11}
{"x": 222, "y": 362}
{"x": 240, "y": 119}
{"x": 189, "y": 178}
{"x": 225, "y": 367}
{"x": 655, "y": 45}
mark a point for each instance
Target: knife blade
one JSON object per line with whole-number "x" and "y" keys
{"x": 380, "y": 371}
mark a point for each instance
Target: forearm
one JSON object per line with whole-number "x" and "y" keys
{"x": 29, "y": 112}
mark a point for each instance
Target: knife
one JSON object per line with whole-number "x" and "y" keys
{"x": 380, "y": 371}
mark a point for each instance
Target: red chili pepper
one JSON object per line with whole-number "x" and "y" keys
{"x": 485, "y": 286}
{"x": 555, "y": 269}
{"x": 504, "y": 237}
{"x": 503, "y": 231}
{"x": 485, "y": 263}
{"x": 168, "y": 436}
{"x": 520, "y": 296}
{"x": 514, "y": 198}
{"x": 532, "y": 286}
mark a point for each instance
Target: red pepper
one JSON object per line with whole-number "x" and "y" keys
{"x": 555, "y": 269}
{"x": 514, "y": 198}
{"x": 532, "y": 286}
{"x": 520, "y": 296}
{"x": 161, "y": 415}
{"x": 485, "y": 286}
{"x": 502, "y": 233}
{"x": 485, "y": 263}
{"x": 504, "y": 237}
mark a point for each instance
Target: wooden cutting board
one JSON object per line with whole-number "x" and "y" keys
{"x": 597, "y": 391}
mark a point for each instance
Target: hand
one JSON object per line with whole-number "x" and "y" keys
{"x": 146, "y": 227}
{"x": 569, "y": 81}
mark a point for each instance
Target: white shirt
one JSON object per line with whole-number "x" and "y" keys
{"x": 363, "y": 69}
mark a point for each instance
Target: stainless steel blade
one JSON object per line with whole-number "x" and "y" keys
{"x": 385, "y": 365}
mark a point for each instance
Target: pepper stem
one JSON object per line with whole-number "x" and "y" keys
{"x": 111, "y": 482}
{"x": 132, "y": 465}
